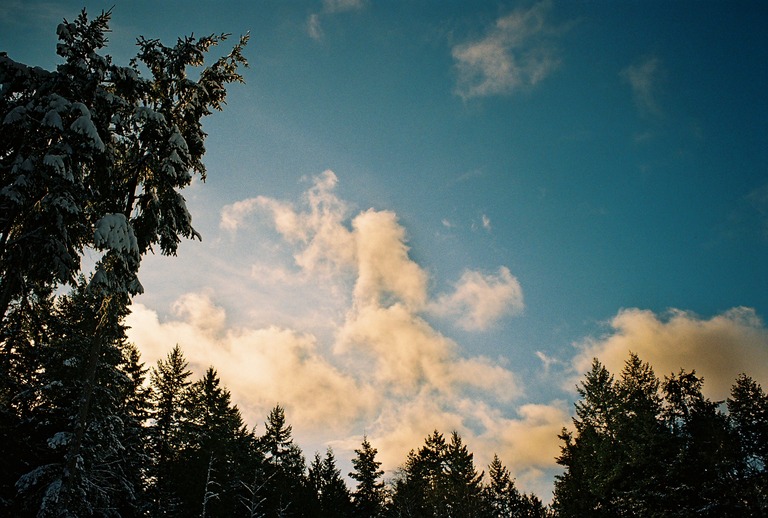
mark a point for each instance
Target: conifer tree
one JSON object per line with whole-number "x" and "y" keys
{"x": 169, "y": 384}
{"x": 368, "y": 496}
{"x": 460, "y": 487}
{"x": 87, "y": 412}
{"x": 287, "y": 490}
{"x": 93, "y": 155}
{"x": 332, "y": 495}
{"x": 501, "y": 496}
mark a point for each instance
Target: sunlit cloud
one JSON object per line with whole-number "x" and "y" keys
{"x": 515, "y": 53}
{"x": 383, "y": 368}
{"x": 261, "y": 367}
{"x": 643, "y": 78}
{"x": 718, "y": 348}
{"x": 480, "y": 300}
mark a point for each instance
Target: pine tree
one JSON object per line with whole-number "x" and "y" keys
{"x": 615, "y": 458}
{"x": 368, "y": 496}
{"x": 85, "y": 401}
{"x": 333, "y": 499}
{"x": 213, "y": 440}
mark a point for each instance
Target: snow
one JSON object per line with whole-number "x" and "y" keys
{"x": 15, "y": 115}
{"x": 53, "y": 119}
{"x": 57, "y": 163}
{"x": 59, "y": 439}
{"x": 113, "y": 231}
{"x": 146, "y": 113}
{"x": 177, "y": 141}
{"x": 84, "y": 126}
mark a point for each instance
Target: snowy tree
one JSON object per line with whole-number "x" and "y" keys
{"x": 85, "y": 455}
{"x": 93, "y": 155}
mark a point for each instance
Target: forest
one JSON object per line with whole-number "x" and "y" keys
{"x": 93, "y": 157}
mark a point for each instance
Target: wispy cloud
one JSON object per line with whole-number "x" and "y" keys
{"x": 515, "y": 53}
{"x": 314, "y": 21}
{"x": 643, "y": 78}
{"x": 718, "y": 348}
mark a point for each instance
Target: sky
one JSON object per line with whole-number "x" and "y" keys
{"x": 432, "y": 215}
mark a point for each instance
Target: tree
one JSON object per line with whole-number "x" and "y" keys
{"x": 93, "y": 155}
{"x": 748, "y": 412}
{"x": 169, "y": 384}
{"x": 332, "y": 494}
{"x": 368, "y": 496}
{"x": 215, "y": 451}
{"x": 502, "y": 497}
{"x": 286, "y": 490}
{"x": 615, "y": 460}
{"x": 704, "y": 457}
{"x": 86, "y": 416}
{"x": 461, "y": 484}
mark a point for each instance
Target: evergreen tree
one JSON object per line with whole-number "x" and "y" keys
{"x": 287, "y": 491}
{"x": 748, "y": 411}
{"x": 416, "y": 489}
{"x": 87, "y": 414}
{"x": 461, "y": 487}
{"x": 332, "y": 494}
{"x": 502, "y": 498}
{"x": 94, "y": 145}
{"x": 169, "y": 384}
{"x": 700, "y": 471}
{"x": 368, "y": 496}
{"x": 214, "y": 453}
{"x": 616, "y": 459}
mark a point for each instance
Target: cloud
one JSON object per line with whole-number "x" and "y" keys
{"x": 314, "y": 23}
{"x": 376, "y": 365}
{"x": 261, "y": 367}
{"x": 479, "y": 300}
{"x": 719, "y": 348}
{"x": 515, "y": 53}
{"x": 643, "y": 77}
{"x": 486, "y": 223}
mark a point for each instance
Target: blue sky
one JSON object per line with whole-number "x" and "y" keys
{"x": 430, "y": 214}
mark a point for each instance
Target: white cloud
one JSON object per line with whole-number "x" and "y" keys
{"x": 643, "y": 78}
{"x": 514, "y": 53}
{"x": 479, "y": 300}
{"x": 719, "y": 348}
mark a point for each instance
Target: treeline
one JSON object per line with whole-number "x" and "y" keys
{"x": 642, "y": 446}
{"x": 88, "y": 430}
